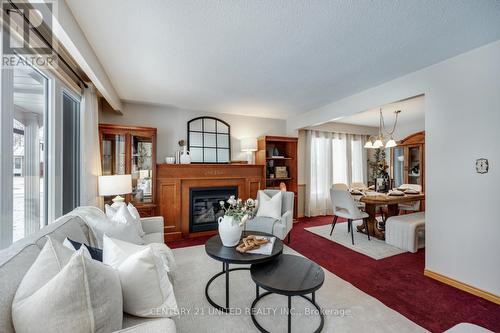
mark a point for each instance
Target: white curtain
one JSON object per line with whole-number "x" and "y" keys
{"x": 331, "y": 158}
{"x": 90, "y": 149}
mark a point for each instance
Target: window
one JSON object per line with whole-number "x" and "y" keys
{"x": 29, "y": 109}
{"x": 209, "y": 140}
{"x": 70, "y": 153}
{"x": 358, "y": 163}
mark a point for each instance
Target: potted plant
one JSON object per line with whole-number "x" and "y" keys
{"x": 236, "y": 213}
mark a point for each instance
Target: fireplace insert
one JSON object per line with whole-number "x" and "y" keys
{"x": 204, "y": 207}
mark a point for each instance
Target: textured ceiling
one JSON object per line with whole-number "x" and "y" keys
{"x": 274, "y": 58}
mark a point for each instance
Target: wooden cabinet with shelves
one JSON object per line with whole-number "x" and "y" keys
{"x": 131, "y": 150}
{"x": 408, "y": 161}
{"x": 275, "y": 152}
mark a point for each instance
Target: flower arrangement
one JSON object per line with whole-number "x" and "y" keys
{"x": 239, "y": 210}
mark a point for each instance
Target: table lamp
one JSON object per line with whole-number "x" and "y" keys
{"x": 115, "y": 185}
{"x": 249, "y": 145}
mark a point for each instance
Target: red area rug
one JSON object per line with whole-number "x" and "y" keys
{"x": 397, "y": 281}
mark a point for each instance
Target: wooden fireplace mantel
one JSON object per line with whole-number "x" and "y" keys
{"x": 175, "y": 180}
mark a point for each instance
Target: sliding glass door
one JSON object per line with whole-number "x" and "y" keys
{"x": 40, "y": 151}
{"x": 29, "y": 114}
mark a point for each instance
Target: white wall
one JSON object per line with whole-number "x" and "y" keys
{"x": 171, "y": 123}
{"x": 462, "y": 119}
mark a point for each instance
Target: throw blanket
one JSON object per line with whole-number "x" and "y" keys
{"x": 93, "y": 216}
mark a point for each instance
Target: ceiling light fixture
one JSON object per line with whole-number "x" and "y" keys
{"x": 381, "y": 140}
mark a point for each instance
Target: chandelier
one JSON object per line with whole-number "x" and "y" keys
{"x": 381, "y": 140}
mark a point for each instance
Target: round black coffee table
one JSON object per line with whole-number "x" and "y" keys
{"x": 288, "y": 275}
{"x": 229, "y": 255}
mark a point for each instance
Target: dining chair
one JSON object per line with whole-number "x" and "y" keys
{"x": 359, "y": 187}
{"x": 340, "y": 186}
{"x": 344, "y": 206}
{"x": 413, "y": 206}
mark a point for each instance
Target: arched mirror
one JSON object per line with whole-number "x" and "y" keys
{"x": 209, "y": 140}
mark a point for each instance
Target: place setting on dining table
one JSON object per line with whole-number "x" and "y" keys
{"x": 392, "y": 199}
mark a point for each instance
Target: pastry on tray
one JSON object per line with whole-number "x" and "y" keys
{"x": 251, "y": 242}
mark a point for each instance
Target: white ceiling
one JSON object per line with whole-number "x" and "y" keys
{"x": 274, "y": 58}
{"x": 412, "y": 111}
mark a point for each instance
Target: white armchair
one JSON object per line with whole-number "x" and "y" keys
{"x": 279, "y": 228}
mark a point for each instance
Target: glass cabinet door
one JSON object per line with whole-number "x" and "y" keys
{"x": 399, "y": 161}
{"x": 414, "y": 165}
{"x": 113, "y": 154}
{"x": 142, "y": 169}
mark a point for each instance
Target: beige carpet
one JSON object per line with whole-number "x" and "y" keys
{"x": 373, "y": 248}
{"x": 346, "y": 308}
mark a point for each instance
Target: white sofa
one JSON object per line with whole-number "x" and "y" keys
{"x": 17, "y": 259}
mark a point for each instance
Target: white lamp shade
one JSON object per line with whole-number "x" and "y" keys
{"x": 391, "y": 143}
{"x": 368, "y": 144}
{"x": 115, "y": 185}
{"x": 378, "y": 144}
{"x": 249, "y": 144}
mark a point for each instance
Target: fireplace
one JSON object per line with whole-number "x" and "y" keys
{"x": 204, "y": 207}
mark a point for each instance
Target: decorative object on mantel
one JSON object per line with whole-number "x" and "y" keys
{"x": 185, "y": 157}
{"x": 249, "y": 145}
{"x": 170, "y": 159}
{"x": 381, "y": 140}
{"x": 236, "y": 214}
{"x": 182, "y": 155}
{"x": 209, "y": 140}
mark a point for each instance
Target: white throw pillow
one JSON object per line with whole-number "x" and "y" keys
{"x": 269, "y": 206}
{"x": 63, "y": 291}
{"x": 143, "y": 270}
{"x": 125, "y": 214}
{"x": 70, "y": 246}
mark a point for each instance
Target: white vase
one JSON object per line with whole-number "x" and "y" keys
{"x": 185, "y": 158}
{"x": 229, "y": 231}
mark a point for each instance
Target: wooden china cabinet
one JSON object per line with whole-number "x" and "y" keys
{"x": 408, "y": 161}
{"x": 131, "y": 150}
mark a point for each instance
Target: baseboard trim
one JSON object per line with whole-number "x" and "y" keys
{"x": 463, "y": 286}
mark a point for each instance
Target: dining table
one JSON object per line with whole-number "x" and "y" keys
{"x": 372, "y": 200}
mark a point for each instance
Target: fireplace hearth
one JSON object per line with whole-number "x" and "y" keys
{"x": 204, "y": 207}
